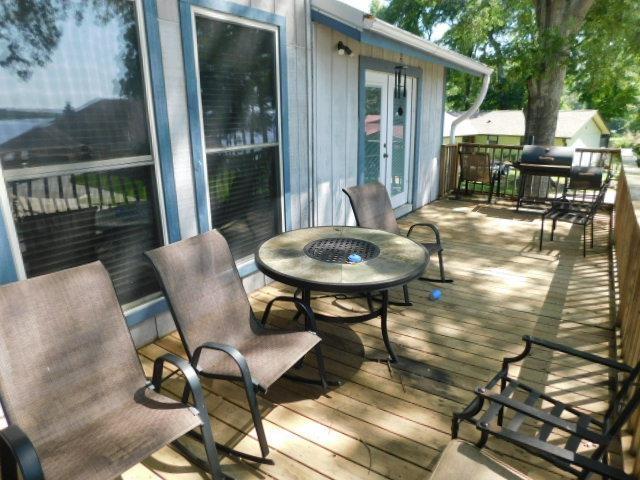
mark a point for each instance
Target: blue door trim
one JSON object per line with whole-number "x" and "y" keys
{"x": 163, "y": 138}
{"x": 369, "y": 63}
{"x": 195, "y": 124}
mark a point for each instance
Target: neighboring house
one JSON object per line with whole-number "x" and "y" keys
{"x": 576, "y": 128}
{"x": 245, "y": 116}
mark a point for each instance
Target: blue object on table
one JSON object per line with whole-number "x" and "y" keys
{"x": 354, "y": 258}
{"x": 436, "y": 294}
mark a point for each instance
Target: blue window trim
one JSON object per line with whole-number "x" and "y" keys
{"x": 150, "y": 309}
{"x": 8, "y": 271}
{"x": 369, "y": 63}
{"x": 163, "y": 136}
{"x": 195, "y": 124}
{"x": 383, "y": 42}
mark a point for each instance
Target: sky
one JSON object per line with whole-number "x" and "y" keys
{"x": 359, "y": 4}
{"x": 365, "y": 5}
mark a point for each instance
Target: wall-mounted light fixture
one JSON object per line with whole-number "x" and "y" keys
{"x": 344, "y": 50}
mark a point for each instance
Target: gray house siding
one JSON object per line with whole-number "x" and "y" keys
{"x": 316, "y": 195}
{"x": 335, "y": 92}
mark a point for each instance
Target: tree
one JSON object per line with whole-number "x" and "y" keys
{"x": 544, "y": 52}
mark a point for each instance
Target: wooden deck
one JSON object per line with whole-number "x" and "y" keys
{"x": 392, "y": 422}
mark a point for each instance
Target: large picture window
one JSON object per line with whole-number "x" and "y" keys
{"x": 237, "y": 66}
{"x": 75, "y": 147}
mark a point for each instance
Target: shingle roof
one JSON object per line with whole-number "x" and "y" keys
{"x": 511, "y": 122}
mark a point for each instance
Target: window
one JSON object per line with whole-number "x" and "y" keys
{"x": 238, "y": 65}
{"x": 74, "y": 140}
{"x": 492, "y": 139}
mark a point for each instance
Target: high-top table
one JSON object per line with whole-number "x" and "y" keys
{"x": 317, "y": 259}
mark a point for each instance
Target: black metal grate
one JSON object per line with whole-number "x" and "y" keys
{"x": 337, "y": 250}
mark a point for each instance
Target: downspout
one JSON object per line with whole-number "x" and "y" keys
{"x": 474, "y": 108}
{"x": 311, "y": 177}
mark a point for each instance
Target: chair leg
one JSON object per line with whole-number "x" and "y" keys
{"x": 321, "y": 368}
{"x": 257, "y": 420}
{"x": 491, "y": 185}
{"x": 212, "y": 453}
{"x": 553, "y": 228}
{"x": 442, "y": 278}
{"x": 584, "y": 240}
{"x": 592, "y": 233}
{"x": 541, "y": 233}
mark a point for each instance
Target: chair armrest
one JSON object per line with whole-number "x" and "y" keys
{"x": 18, "y": 453}
{"x": 191, "y": 377}
{"x": 311, "y": 319}
{"x": 235, "y": 354}
{"x": 577, "y": 353}
{"x": 432, "y": 226}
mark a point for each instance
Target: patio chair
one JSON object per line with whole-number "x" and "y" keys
{"x": 575, "y": 211}
{"x": 218, "y": 328}
{"x": 476, "y": 167}
{"x": 72, "y": 387}
{"x": 522, "y": 399}
{"x": 463, "y": 461}
{"x": 372, "y": 208}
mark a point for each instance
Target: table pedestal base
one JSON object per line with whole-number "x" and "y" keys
{"x": 381, "y": 312}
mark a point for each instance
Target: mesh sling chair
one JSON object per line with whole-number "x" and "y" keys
{"x": 218, "y": 328}
{"x": 476, "y": 168}
{"x": 372, "y": 208}
{"x": 72, "y": 387}
{"x": 578, "y": 212}
{"x": 521, "y": 399}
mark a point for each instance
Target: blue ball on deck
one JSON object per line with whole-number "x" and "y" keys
{"x": 436, "y": 295}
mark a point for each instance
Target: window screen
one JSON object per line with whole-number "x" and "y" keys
{"x": 72, "y": 124}
{"x": 239, "y": 94}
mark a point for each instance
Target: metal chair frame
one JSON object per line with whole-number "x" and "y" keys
{"x": 434, "y": 247}
{"x": 578, "y": 213}
{"x": 495, "y": 172}
{"x": 584, "y": 427}
{"x": 252, "y": 388}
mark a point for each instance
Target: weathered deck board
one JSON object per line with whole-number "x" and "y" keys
{"x": 392, "y": 422}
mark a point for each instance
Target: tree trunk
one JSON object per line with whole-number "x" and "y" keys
{"x": 543, "y": 104}
{"x": 558, "y": 22}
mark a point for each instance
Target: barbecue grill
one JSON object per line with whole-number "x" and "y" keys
{"x": 540, "y": 161}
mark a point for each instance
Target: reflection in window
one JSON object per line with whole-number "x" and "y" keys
{"x": 372, "y": 125}
{"x": 72, "y": 116}
{"x": 237, "y": 83}
{"x": 244, "y": 197}
{"x": 239, "y": 94}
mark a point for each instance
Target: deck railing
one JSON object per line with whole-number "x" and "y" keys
{"x": 627, "y": 246}
{"x": 502, "y": 158}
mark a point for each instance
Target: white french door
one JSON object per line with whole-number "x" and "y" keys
{"x": 389, "y": 134}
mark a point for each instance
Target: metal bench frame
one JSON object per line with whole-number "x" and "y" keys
{"x": 583, "y": 427}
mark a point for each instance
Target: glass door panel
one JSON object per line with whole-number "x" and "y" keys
{"x": 389, "y": 125}
{"x": 401, "y": 143}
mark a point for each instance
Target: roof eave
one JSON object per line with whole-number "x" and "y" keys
{"x": 368, "y": 29}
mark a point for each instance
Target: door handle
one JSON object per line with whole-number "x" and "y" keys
{"x": 385, "y": 155}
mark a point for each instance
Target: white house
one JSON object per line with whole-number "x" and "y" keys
{"x": 575, "y": 128}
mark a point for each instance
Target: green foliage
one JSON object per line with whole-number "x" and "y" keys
{"x": 603, "y": 59}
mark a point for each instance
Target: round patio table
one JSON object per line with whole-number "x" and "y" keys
{"x": 317, "y": 259}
